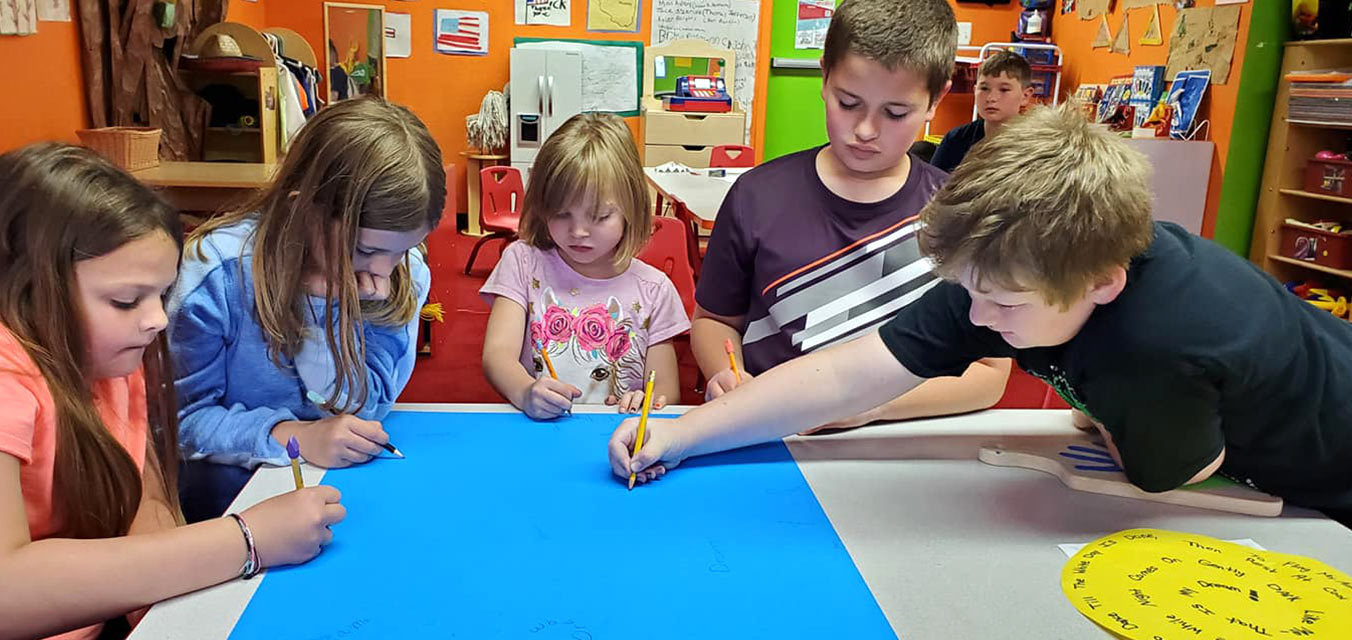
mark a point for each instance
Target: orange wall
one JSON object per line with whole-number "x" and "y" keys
{"x": 51, "y": 105}
{"x": 989, "y": 24}
{"x": 1085, "y": 64}
{"x": 443, "y": 89}
{"x": 253, "y": 14}
{"x": 1088, "y": 65}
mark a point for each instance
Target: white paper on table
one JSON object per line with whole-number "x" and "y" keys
{"x": 1071, "y": 548}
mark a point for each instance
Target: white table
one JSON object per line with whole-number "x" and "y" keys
{"x": 949, "y": 546}
{"x": 700, "y": 194}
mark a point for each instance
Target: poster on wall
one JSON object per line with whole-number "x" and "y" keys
{"x": 557, "y": 13}
{"x": 54, "y": 10}
{"x": 462, "y": 33}
{"x": 1090, "y": 9}
{"x": 1136, "y": 4}
{"x": 398, "y": 35}
{"x": 18, "y": 17}
{"x": 1204, "y": 38}
{"x": 613, "y": 15}
{"x": 726, "y": 24}
{"x": 813, "y": 18}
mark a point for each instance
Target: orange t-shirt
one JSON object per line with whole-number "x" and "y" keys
{"x": 28, "y": 432}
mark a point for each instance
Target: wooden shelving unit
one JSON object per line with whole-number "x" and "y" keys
{"x": 1290, "y": 146}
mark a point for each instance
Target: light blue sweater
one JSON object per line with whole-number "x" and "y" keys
{"x": 230, "y": 392}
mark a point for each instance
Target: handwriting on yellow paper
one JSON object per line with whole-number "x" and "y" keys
{"x": 1149, "y": 583}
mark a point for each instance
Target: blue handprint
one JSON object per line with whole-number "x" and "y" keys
{"x": 1099, "y": 457}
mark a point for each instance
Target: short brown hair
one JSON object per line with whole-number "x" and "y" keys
{"x": 592, "y": 155}
{"x": 920, "y": 35}
{"x": 1010, "y": 64}
{"x": 1050, "y": 205}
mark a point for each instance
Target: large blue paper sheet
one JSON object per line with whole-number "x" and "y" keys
{"x": 499, "y": 527}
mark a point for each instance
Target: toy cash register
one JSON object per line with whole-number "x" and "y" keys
{"x": 704, "y": 94}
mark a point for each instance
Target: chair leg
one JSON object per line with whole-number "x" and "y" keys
{"x": 474, "y": 253}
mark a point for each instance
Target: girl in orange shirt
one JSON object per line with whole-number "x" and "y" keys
{"x": 88, "y": 435}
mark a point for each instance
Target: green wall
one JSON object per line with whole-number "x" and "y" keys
{"x": 795, "y": 118}
{"x": 1269, "y": 27}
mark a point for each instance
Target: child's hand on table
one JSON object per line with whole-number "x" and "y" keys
{"x": 725, "y": 381}
{"x": 293, "y": 527}
{"x": 548, "y": 398}
{"x": 663, "y": 449}
{"x": 339, "y": 441}
{"x": 632, "y": 402}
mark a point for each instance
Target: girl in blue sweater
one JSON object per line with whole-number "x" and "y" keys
{"x": 297, "y": 315}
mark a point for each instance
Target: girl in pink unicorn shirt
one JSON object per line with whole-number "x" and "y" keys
{"x": 572, "y": 287}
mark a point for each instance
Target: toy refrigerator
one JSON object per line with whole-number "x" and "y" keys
{"x": 546, "y": 90}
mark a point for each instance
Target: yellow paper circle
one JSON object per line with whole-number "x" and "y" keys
{"x": 1152, "y": 584}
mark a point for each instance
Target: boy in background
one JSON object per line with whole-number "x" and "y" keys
{"x": 1003, "y": 89}
{"x": 1049, "y": 256}
{"x": 819, "y": 247}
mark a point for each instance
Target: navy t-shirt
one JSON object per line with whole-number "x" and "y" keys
{"x": 957, "y": 143}
{"x": 1200, "y": 351}
{"x": 808, "y": 268}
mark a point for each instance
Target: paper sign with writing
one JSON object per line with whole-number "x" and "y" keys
{"x": 1150, "y": 583}
{"x": 726, "y": 24}
{"x": 556, "y": 13}
{"x": 1136, "y": 4}
{"x": 1204, "y": 38}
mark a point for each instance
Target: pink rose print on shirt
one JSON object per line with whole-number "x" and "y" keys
{"x": 537, "y": 333}
{"x": 593, "y": 327}
{"x": 617, "y": 345}
{"x": 558, "y": 324}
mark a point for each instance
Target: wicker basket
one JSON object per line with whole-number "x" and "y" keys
{"x": 131, "y": 148}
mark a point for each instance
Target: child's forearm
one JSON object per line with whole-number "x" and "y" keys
{"x": 707, "y": 336}
{"x": 509, "y": 379}
{"x": 980, "y": 387}
{"x": 59, "y": 584}
{"x": 801, "y": 393}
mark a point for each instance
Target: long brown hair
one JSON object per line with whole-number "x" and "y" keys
{"x": 61, "y": 204}
{"x": 360, "y": 163}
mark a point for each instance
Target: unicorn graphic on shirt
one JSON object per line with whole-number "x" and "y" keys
{"x": 594, "y": 348}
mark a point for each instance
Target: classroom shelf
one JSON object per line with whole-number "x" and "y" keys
{"x": 1319, "y": 125}
{"x": 1316, "y": 196}
{"x": 1334, "y": 42}
{"x": 1342, "y": 273}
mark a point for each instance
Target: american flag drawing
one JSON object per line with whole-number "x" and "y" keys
{"x": 462, "y": 32}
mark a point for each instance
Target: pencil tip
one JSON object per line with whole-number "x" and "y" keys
{"x": 399, "y": 453}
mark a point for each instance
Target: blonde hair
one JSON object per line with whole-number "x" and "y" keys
{"x": 359, "y": 163}
{"x": 919, "y": 35}
{"x": 591, "y": 156}
{"x": 1050, "y": 205}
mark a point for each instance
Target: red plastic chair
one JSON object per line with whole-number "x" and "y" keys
{"x": 732, "y": 156}
{"x": 501, "y": 193}
{"x": 666, "y": 251}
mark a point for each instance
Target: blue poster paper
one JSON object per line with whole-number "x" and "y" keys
{"x": 495, "y": 526}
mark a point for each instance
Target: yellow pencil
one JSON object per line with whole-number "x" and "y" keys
{"x": 643, "y": 420}
{"x": 544, "y": 354}
{"x": 732, "y": 360}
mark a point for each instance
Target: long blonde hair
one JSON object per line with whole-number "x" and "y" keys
{"x": 590, "y": 155}
{"x": 360, "y": 163}
{"x": 61, "y": 204}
